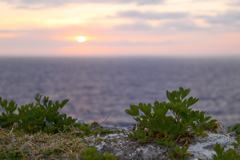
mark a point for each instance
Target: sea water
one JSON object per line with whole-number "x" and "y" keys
{"x": 100, "y": 88}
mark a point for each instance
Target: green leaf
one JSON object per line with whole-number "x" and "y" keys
{"x": 45, "y": 100}
{"x": 184, "y": 92}
{"x": 184, "y": 149}
{"x": 161, "y": 112}
{"x": 157, "y": 105}
{"x": 12, "y": 106}
{"x": 218, "y": 149}
{"x": 191, "y": 101}
{"x": 159, "y": 141}
{"x": 169, "y": 96}
{"x": 134, "y": 110}
{"x": 107, "y": 156}
{"x": 4, "y": 103}
{"x": 238, "y": 140}
{"x": 63, "y": 103}
{"x": 207, "y": 118}
{"x": 180, "y": 152}
{"x": 146, "y": 109}
{"x": 211, "y": 123}
{"x": 49, "y": 104}
{"x": 91, "y": 154}
{"x": 237, "y": 130}
{"x": 172, "y": 143}
{"x": 183, "y": 116}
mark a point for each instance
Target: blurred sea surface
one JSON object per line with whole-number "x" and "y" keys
{"x": 104, "y": 87}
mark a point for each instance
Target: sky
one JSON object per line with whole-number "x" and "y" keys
{"x": 188, "y": 28}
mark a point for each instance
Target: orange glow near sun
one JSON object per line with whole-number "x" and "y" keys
{"x": 81, "y": 39}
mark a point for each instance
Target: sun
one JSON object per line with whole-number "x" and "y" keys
{"x": 81, "y": 39}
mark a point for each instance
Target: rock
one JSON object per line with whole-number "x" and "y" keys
{"x": 128, "y": 148}
{"x": 203, "y": 147}
{"x": 125, "y": 147}
{"x": 111, "y": 127}
{"x": 79, "y": 120}
{"x": 219, "y": 129}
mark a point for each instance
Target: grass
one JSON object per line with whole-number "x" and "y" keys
{"x": 18, "y": 145}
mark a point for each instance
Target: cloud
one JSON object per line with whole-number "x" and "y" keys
{"x": 234, "y": 3}
{"x": 228, "y": 21}
{"x": 161, "y": 29}
{"x": 23, "y": 42}
{"x": 126, "y": 43}
{"x": 41, "y": 4}
{"x": 181, "y": 26}
{"x": 25, "y": 39}
{"x": 227, "y": 18}
{"x": 19, "y": 43}
{"x": 134, "y": 27}
{"x": 150, "y": 15}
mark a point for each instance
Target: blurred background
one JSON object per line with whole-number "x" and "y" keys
{"x": 97, "y": 87}
{"x": 106, "y": 55}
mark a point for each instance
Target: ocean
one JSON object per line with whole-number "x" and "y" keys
{"x": 100, "y": 88}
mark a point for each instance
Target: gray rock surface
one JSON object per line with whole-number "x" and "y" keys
{"x": 128, "y": 148}
{"x": 203, "y": 147}
{"x": 80, "y": 120}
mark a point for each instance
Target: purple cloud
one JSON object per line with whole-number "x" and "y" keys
{"x": 150, "y": 15}
{"x": 41, "y": 4}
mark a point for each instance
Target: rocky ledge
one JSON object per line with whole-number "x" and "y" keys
{"x": 126, "y": 148}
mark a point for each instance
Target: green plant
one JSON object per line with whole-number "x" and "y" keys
{"x": 91, "y": 154}
{"x": 33, "y": 118}
{"x": 104, "y": 131}
{"x": 86, "y": 129}
{"x": 238, "y": 142}
{"x": 140, "y": 135}
{"x": 95, "y": 123}
{"x": 166, "y": 141}
{"x": 179, "y": 153}
{"x": 229, "y": 154}
{"x": 235, "y": 128}
{"x": 183, "y": 117}
{"x": 98, "y": 130}
{"x": 8, "y": 118}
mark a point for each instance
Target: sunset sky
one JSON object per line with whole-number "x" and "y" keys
{"x": 120, "y": 27}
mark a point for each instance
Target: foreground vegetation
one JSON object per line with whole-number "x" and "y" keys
{"x": 39, "y": 131}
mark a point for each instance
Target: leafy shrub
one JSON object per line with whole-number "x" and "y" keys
{"x": 8, "y": 118}
{"x": 179, "y": 152}
{"x": 235, "y": 128}
{"x": 183, "y": 118}
{"x": 229, "y": 154}
{"x": 91, "y": 154}
{"x": 37, "y": 117}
